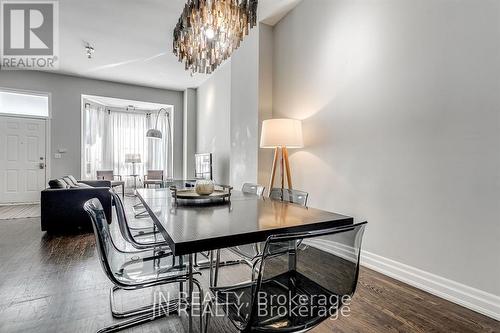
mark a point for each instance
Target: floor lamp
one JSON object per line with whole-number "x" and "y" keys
{"x": 156, "y": 134}
{"x": 281, "y": 134}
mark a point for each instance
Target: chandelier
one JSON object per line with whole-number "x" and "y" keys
{"x": 209, "y": 31}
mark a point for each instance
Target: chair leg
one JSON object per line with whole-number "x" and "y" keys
{"x": 134, "y": 321}
{"x": 139, "y": 214}
{"x": 208, "y": 315}
{"x": 133, "y": 312}
{"x": 255, "y": 269}
{"x": 153, "y": 314}
{"x": 211, "y": 276}
{"x": 206, "y": 265}
{"x": 217, "y": 264}
{"x": 200, "y": 290}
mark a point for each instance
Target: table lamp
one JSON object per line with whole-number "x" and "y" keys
{"x": 281, "y": 134}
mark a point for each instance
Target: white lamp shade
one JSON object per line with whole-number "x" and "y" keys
{"x": 281, "y": 133}
{"x": 132, "y": 158}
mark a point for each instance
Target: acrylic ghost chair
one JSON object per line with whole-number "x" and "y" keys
{"x": 144, "y": 240}
{"x": 251, "y": 252}
{"x": 135, "y": 270}
{"x": 316, "y": 278}
{"x": 249, "y": 189}
{"x": 148, "y": 241}
{"x": 288, "y": 195}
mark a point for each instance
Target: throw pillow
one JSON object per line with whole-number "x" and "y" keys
{"x": 69, "y": 182}
{"x": 73, "y": 179}
{"x": 57, "y": 183}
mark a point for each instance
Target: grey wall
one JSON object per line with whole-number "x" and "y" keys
{"x": 213, "y": 120}
{"x": 189, "y": 133}
{"x": 400, "y": 101}
{"x": 227, "y": 115}
{"x": 266, "y": 44}
{"x": 244, "y": 110}
{"x": 66, "y": 94}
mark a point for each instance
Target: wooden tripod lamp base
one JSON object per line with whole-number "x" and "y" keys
{"x": 284, "y": 168}
{"x": 281, "y": 134}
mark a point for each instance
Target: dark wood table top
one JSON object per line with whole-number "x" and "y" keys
{"x": 247, "y": 219}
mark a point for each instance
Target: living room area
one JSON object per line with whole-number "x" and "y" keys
{"x": 114, "y": 144}
{"x": 250, "y": 165}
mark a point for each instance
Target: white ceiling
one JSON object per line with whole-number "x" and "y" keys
{"x": 133, "y": 40}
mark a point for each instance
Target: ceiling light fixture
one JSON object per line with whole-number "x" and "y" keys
{"x": 89, "y": 50}
{"x": 209, "y": 31}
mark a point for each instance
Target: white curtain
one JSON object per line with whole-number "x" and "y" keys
{"x": 96, "y": 140}
{"x": 159, "y": 150}
{"x": 110, "y": 135}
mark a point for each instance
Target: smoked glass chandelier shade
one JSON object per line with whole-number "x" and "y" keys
{"x": 209, "y": 31}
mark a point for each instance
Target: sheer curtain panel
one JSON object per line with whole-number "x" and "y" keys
{"x": 109, "y": 135}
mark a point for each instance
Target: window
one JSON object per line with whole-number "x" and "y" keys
{"x": 109, "y": 136}
{"x": 24, "y": 104}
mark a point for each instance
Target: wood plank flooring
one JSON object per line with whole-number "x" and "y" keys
{"x": 8, "y": 212}
{"x": 55, "y": 284}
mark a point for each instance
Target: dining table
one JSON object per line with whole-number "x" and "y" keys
{"x": 244, "y": 219}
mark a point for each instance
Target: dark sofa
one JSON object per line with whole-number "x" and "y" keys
{"x": 62, "y": 204}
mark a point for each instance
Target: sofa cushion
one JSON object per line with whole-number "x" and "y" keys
{"x": 82, "y": 185}
{"x": 69, "y": 182}
{"x": 57, "y": 183}
{"x": 73, "y": 179}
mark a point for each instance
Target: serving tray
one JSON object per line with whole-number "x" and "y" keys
{"x": 220, "y": 194}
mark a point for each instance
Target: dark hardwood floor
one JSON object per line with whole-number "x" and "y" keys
{"x": 55, "y": 284}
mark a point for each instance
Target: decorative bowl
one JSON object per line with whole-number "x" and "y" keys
{"x": 204, "y": 187}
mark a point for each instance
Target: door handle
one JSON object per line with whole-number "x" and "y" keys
{"x": 41, "y": 165}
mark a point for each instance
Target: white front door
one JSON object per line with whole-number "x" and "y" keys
{"x": 22, "y": 159}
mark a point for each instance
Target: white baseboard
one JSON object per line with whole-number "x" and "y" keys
{"x": 471, "y": 298}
